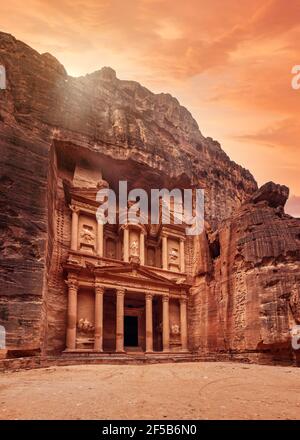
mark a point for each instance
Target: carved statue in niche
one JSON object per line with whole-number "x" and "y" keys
{"x": 134, "y": 248}
{"x": 150, "y": 260}
{"x": 151, "y": 257}
{"x": 175, "y": 329}
{"x": 87, "y": 235}
{"x": 173, "y": 254}
{"x": 111, "y": 249}
{"x": 85, "y": 325}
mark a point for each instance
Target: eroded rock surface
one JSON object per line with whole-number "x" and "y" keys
{"x": 247, "y": 295}
{"x": 247, "y": 269}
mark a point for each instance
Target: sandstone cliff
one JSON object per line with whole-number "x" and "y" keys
{"x": 247, "y": 292}
{"x": 246, "y": 268}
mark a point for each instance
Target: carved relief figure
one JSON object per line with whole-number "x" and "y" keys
{"x": 134, "y": 248}
{"x": 84, "y": 325}
{"x": 173, "y": 254}
{"x": 87, "y": 235}
{"x": 175, "y": 329}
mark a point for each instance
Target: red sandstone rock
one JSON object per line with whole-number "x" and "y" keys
{"x": 250, "y": 299}
{"x": 246, "y": 288}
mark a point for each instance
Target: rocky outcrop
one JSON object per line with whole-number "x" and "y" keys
{"x": 246, "y": 268}
{"x": 247, "y": 293}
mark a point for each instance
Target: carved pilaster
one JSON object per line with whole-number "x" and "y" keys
{"x": 142, "y": 248}
{"x": 149, "y": 323}
{"x": 99, "y": 292}
{"x": 72, "y": 284}
{"x": 182, "y": 255}
{"x": 74, "y": 228}
{"x": 166, "y": 323}
{"x": 165, "y": 264}
{"x": 126, "y": 244}
{"x": 183, "y": 323}
{"x": 120, "y": 293}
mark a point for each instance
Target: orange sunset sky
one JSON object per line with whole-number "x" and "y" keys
{"x": 228, "y": 61}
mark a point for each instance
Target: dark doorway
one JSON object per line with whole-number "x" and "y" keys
{"x": 131, "y": 331}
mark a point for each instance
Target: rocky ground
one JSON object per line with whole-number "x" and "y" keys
{"x": 161, "y": 391}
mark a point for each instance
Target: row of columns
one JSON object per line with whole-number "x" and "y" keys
{"x": 120, "y": 295}
{"x": 99, "y": 243}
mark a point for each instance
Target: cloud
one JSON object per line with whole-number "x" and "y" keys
{"x": 284, "y": 134}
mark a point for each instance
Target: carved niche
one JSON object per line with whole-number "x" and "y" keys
{"x": 87, "y": 234}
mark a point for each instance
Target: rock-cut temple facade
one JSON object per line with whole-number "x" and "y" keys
{"x": 74, "y": 290}
{"x": 127, "y": 288}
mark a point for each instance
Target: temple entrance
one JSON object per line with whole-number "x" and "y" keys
{"x": 131, "y": 331}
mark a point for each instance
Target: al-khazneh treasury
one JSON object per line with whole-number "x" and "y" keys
{"x": 73, "y": 291}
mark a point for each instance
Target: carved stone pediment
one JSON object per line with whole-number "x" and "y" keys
{"x": 136, "y": 274}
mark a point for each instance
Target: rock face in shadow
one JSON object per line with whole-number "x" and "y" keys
{"x": 246, "y": 268}
{"x": 247, "y": 294}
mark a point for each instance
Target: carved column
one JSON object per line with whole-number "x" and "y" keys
{"x": 74, "y": 229}
{"x": 126, "y": 244}
{"x": 99, "y": 292}
{"x": 183, "y": 324}
{"x": 166, "y": 323}
{"x": 181, "y": 252}
{"x": 72, "y": 283}
{"x": 165, "y": 252}
{"x": 149, "y": 323}
{"x": 120, "y": 321}
{"x": 142, "y": 248}
{"x": 100, "y": 247}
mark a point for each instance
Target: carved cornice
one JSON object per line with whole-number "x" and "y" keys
{"x": 84, "y": 206}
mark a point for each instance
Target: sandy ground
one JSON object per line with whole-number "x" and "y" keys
{"x": 161, "y": 391}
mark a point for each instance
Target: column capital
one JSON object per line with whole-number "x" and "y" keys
{"x": 120, "y": 292}
{"x": 183, "y": 299}
{"x": 72, "y": 282}
{"x": 165, "y": 298}
{"x": 149, "y": 296}
{"x": 99, "y": 289}
{"x": 183, "y": 239}
{"x": 74, "y": 208}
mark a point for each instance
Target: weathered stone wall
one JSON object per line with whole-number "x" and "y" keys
{"x": 247, "y": 298}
